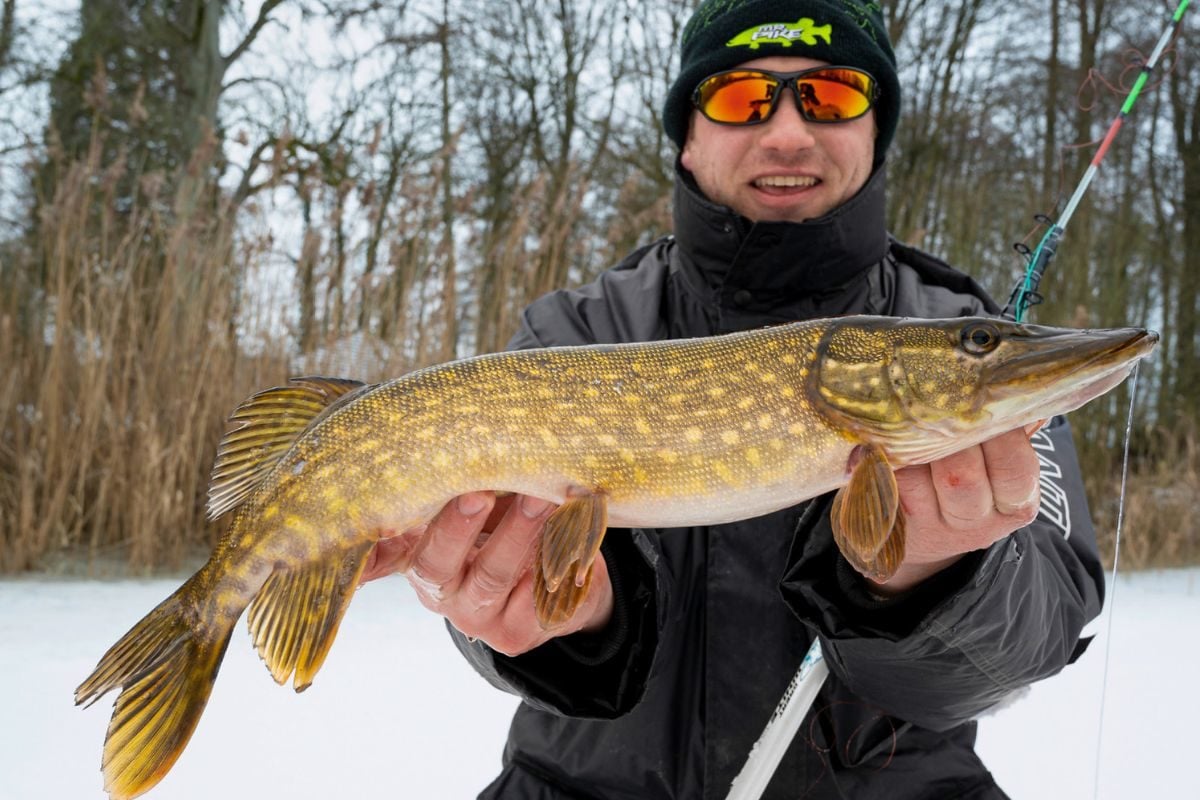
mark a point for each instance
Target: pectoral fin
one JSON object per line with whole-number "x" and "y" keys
{"x": 569, "y": 543}
{"x": 868, "y": 523}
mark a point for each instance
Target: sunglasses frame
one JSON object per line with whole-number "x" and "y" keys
{"x": 786, "y": 80}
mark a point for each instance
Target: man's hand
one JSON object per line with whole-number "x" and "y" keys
{"x": 471, "y": 564}
{"x": 964, "y": 502}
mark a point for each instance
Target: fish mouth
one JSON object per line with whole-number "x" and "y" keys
{"x": 1071, "y": 366}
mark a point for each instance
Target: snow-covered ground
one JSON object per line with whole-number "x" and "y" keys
{"x": 396, "y": 713}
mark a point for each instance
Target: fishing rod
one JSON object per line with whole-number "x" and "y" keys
{"x": 801, "y": 691}
{"x": 1025, "y": 293}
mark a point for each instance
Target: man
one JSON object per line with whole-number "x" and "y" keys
{"x": 664, "y": 678}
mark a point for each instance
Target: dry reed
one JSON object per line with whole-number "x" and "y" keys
{"x": 120, "y": 367}
{"x": 1159, "y": 526}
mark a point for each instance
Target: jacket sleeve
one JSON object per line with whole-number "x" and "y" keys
{"x": 600, "y": 675}
{"x": 995, "y": 622}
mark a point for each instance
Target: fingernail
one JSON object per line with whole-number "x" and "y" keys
{"x": 471, "y": 504}
{"x": 534, "y": 507}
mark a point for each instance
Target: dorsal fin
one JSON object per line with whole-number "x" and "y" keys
{"x": 264, "y": 428}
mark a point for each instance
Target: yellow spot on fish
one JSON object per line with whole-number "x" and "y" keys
{"x": 716, "y": 391}
{"x": 591, "y": 391}
{"x": 470, "y": 408}
{"x": 745, "y": 403}
{"x": 270, "y": 511}
{"x": 642, "y": 426}
{"x": 441, "y": 459}
{"x": 585, "y": 422}
{"x": 548, "y": 437}
{"x": 627, "y": 455}
{"x": 776, "y": 444}
{"x": 788, "y": 358}
{"x": 730, "y": 437}
{"x": 753, "y": 456}
{"x": 796, "y": 429}
{"x": 669, "y": 456}
{"x": 607, "y": 440}
{"x": 767, "y": 377}
{"x": 788, "y": 392}
{"x": 677, "y": 399}
{"x": 591, "y": 462}
{"x": 724, "y": 472}
{"x": 639, "y": 475}
{"x": 693, "y": 434}
{"x": 765, "y": 421}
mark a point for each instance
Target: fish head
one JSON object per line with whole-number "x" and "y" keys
{"x": 926, "y": 388}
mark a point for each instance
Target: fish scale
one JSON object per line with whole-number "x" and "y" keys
{"x": 662, "y": 435}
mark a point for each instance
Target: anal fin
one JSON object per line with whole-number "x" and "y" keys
{"x": 568, "y": 546}
{"x": 295, "y": 616}
{"x": 868, "y": 523}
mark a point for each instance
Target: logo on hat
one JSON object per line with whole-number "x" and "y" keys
{"x": 782, "y": 33}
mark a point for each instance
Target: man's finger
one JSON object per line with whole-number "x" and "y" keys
{"x": 501, "y": 561}
{"x": 392, "y": 554}
{"x": 916, "y": 489}
{"x": 1013, "y": 471}
{"x": 963, "y": 490}
{"x": 452, "y": 533}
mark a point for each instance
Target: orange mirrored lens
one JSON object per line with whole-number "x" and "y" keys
{"x": 825, "y": 96}
{"x": 835, "y": 95}
{"x": 737, "y": 97}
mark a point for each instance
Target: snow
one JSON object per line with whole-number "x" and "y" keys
{"x": 396, "y": 712}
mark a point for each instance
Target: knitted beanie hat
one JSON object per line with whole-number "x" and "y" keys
{"x": 725, "y": 33}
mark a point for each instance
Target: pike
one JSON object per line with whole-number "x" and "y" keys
{"x": 659, "y": 434}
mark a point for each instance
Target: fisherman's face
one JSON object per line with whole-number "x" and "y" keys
{"x": 742, "y": 166}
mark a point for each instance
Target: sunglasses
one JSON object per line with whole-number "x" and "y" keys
{"x": 750, "y": 96}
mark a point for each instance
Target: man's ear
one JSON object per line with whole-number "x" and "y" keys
{"x": 685, "y": 155}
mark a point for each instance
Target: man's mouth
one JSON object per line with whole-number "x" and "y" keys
{"x": 777, "y": 182}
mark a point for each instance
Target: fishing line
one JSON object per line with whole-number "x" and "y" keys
{"x": 1112, "y": 594}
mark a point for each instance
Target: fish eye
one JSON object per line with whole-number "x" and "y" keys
{"x": 980, "y": 338}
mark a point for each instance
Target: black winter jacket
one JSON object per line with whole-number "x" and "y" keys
{"x": 711, "y": 622}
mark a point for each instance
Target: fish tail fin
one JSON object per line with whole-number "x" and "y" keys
{"x": 165, "y": 669}
{"x": 295, "y": 616}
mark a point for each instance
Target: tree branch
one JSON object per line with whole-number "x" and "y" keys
{"x": 264, "y": 16}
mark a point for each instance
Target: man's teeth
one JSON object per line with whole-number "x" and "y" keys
{"x": 786, "y": 180}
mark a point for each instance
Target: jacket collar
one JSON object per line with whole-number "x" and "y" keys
{"x": 765, "y": 266}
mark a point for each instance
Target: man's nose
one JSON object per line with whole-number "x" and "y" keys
{"x": 787, "y": 129}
